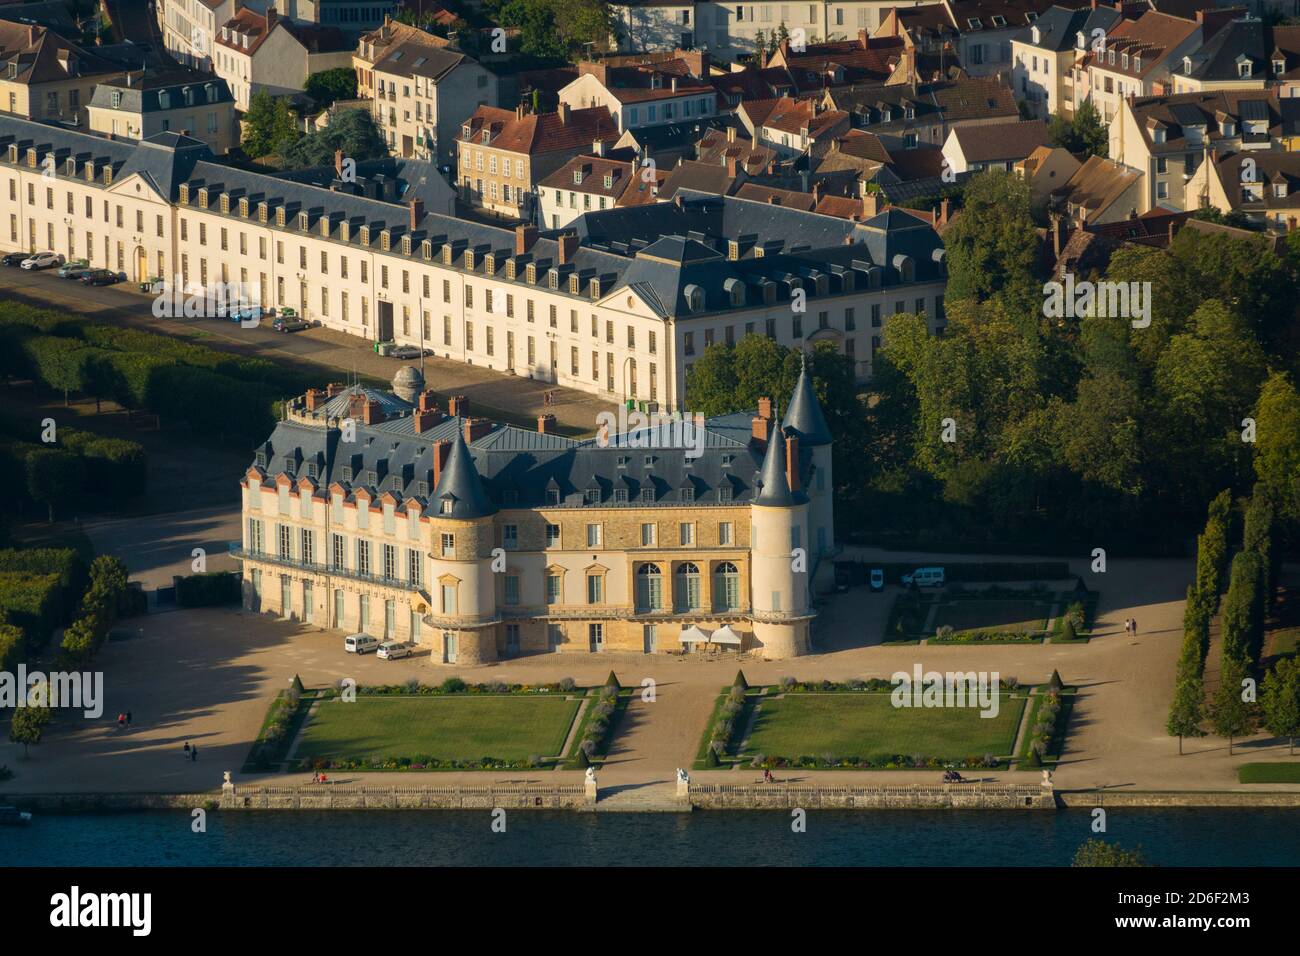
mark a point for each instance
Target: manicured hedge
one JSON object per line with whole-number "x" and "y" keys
{"x": 70, "y": 567}
{"x": 33, "y": 602}
{"x": 211, "y": 589}
{"x": 11, "y": 647}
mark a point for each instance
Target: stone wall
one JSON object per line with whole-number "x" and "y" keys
{"x": 331, "y": 797}
{"x": 958, "y": 796}
{"x": 1175, "y": 798}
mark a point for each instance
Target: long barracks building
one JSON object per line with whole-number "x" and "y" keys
{"x": 619, "y": 305}
{"x": 381, "y": 512}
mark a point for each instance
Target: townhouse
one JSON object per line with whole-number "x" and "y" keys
{"x": 997, "y": 146}
{"x": 1044, "y": 55}
{"x": 46, "y": 77}
{"x": 423, "y": 90}
{"x": 256, "y": 52}
{"x": 645, "y": 91}
{"x": 1137, "y": 57}
{"x": 1262, "y": 186}
{"x": 583, "y": 184}
{"x": 138, "y": 105}
{"x": 1245, "y": 54}
{"x": 792, "y": 128}
{"x": 504, "y": 154}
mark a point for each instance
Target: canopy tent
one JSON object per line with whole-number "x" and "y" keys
{"x": 725, "y": 635}
{"x": 694, "y": 635}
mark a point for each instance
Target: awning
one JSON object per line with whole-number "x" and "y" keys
{"x": 693, "y": 635}
{"x": 725, "y": 635}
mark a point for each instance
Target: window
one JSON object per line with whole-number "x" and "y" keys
{"x": 688, "y": 587}
{"x": 649, "y": 588}
{"x": 552, "y": 535}
{"x": 448, "y": 545}
{"x": 647, "y": 535}
{"x": 553, "y": 588}
{"x": 512, "y": 589}
{"x": 726, "y": 587}
{"x": 725, "y": 531}
{"x": 593, "y": 535}
{"x": 686, "y": 534}
{"x": 595, "y": 589}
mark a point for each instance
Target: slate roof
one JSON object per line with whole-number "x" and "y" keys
{"x": 1218, "y": 58}
{"x": 698, "y": 176}
{"x": 1175, "y": 113}
{"x": 1058, "y": 27}
{"x": 804, "y": 416}
{"x": 512, "y": 467}
{"x": 157, "y": 91}
{"x": 40, "y": 55}
{"x": 1152, "y": 37}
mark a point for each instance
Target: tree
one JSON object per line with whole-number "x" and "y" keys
{"x": 354, "y": 133}
{"x": 270, "y": 126}
{"x": 327, "y": 86}
{"x": 1097, "y": 852}
{"x": 612, "y": 681}
{"x": 740, "y": 681}
{"x": 1085, "y": 134}
{"x": 1230, "y": 715}
{"x": 992, "y": 247}
{"x": 54, "y": 476}
{"x": 1186, "y": 709}
{"x": 1277, "y": 443}
{"x": 27, "y": 725}
{"x": 1280, "y": 700}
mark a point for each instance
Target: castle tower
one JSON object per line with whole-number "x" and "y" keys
{"x": 779, "y": 575}
{"x": 461, "y": 586}
{"x": 804, "y": 417}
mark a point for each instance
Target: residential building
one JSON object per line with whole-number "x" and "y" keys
{"x": 504, "y": 154}
{"x": 1264, "y": 186}
{"x": 255, "y": 52}
{"x": 1045, "y": 53}
{"x": 375, "y": 44}
{"x": 793, "y": 127}
{"x": 923, "y": 115}
{"x": 46, "y": 77}
{"x": 423, "y": 90}
{"x": 997, "y": 146}
{"x": 645, "y": 91}
{"x": 1138, "y": 57}
{"x": 1046, "y": 169}
{"x": 607, "y": 545}
{"x": 583, "y": 184}
{"x": 139, "y": 105}
{"x": 1245, "y": 54}
{"x": 1100, "y": 191}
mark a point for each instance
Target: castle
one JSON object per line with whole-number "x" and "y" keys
{"x": 377, "y": 511}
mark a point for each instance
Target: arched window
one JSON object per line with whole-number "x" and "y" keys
{"x": 649, "y": 588}
{"x": 688, "y": 587}
{"x": 726, "y": 587}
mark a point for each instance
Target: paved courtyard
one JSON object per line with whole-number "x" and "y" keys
{"x": 206, "y": 676}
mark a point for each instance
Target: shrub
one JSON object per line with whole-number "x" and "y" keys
{"x": 1055, "y": 682}
{"x": 11, "y": 647}
{"x": 1068, "y": 631}
{"x": 711, "y": 757}
{"x": 787, "y": 683}
{"x": 209, "y": 589}
{"x": 567, "y": 684}
{"x": 452, "y": 685}
{"x": 740, "y": 681}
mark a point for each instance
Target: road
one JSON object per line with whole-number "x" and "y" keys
{"x": 496, "y": 395}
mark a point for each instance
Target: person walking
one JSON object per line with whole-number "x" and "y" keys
{"x": 1128, "y": 627}
{"x": 121, "y": 721}
{"x": 187, "y": 750}
{"x": 1133, "y": 622}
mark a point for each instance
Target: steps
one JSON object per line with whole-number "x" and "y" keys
{"x": 641, "y": 798}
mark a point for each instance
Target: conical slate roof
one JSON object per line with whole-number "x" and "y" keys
{"x": 460, "y": 483}
{"x": 805, "y": 413}
{"x": 775, "y": 487}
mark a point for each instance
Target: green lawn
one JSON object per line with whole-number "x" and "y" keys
{"x": 1269, "y": 773}
{"x": 1011, "y": 615}
{"x": 448, "y": 728}
{"x": 868, "y": 725}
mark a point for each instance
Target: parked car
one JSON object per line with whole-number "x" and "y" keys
{"x": 249, "y": 315}
{"x": 925, "y": 578}
{"x": 360, "y": 644}
{"x": 42, "y": 260}
{"x": 290, "y": 324}
{"x": 877, "y": 579}
{"x": 393, "y": 650}
{"x": 13, "y": 258}
{"x": 408, "y": 352}
{"x": 101, "y": 277}
{"x": 74, "y": 269}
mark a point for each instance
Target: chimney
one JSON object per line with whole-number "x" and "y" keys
{"x": 1291, "y": 223}
{"x": 333, "y": 388}
{"x": 758, "y": 431}
{"x": 271, "y": 17}
{"x": 731, "y": 166}
{"x": 426, "y": 418}
{"x": 476, "y": 428}
{"x": 546, "y": 424}
{"x": 731, "y": 134}
{"x": 944, "y": 211}
{"x": 870, "y": 205}
{"x": 458, "y": 406}
{"x": 338, "y": 163}
{"x": 417, "y": 213}
{"x": 568, "y": 247}
{"x": 525, "y": 236}
{"x": 674, "y": 84}
{"x": 785, "y": 49}
{"x": 441, "y": 449}
{"x": 315, "y": 399}
{"x": 1058, "y": 234}
{"x": 792, "y": 461}
{"x": 817, "y": 192}
{"x": 862, "y": 39}
{"x": 373, "y": 413}
{"x": 598, "y": 147}
{"x": 564, "y": 112}
{"x": 519, "y": 111}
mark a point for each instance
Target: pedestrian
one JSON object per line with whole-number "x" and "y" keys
{"x": 194, "y": 755}
{"x": 1134, "y": 623}
{"x": 187, "y": 749}
{"x": 1127, "y": 626}
{"x": 128, "y": 718}
{"x": 121, "y": 721}
{"x": 315, "y": 777}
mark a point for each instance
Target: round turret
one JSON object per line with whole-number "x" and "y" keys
{"x": 408, "y": 383}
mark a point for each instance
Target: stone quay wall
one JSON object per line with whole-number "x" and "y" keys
{"x": 951, "y": 796}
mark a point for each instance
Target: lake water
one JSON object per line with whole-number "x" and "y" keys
{"x": 1176, "y": 837}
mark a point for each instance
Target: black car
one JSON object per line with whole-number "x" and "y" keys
{"x": 101, "y": 277}
{"x": 13, "y": 258}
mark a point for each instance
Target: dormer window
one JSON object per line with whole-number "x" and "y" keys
{"x": 1187, "y": 65}
{"x": 577, "y": 177}
{"x": 487, "y": 136}
{"x": 1279, "y": 67}
{"x": 1123, "y": 61}
{"x": 1243, "y": 70}
{"x": 1037, "y": 35}
{"x": 609, "y": 181}
{"x": 117, "y": 99}
{"x": 1227, "y": 128}
{"x": 1137, "y": 63}
{"x": 1279, "y": 190}
{"x": 1080, "y": 41}
{"x": 1158, "y": 135}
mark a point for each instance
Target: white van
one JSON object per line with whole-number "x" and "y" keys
{"x": 925, "y": 578}
{"x": 360, "y": 644}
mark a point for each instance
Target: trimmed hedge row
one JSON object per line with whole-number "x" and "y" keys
{"x": 34, "y": 603}
{"x": 100, "y": 609}
{"x": 210, "y": 589}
